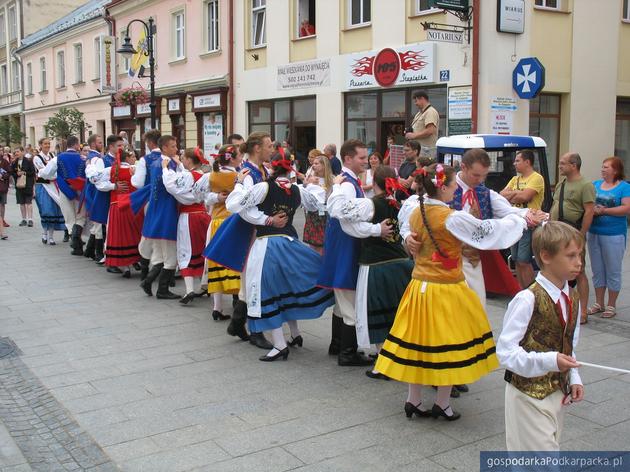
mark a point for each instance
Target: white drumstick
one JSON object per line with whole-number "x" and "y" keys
{"x": 604, "y": 367}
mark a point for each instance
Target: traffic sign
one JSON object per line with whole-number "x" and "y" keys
{"x": 528, "y": 78}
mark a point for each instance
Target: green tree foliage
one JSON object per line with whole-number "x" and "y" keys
{"x": 66, "y": 122}
{"x": 10, "y": 133}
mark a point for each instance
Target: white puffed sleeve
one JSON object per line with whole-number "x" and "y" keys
{"x": 140, "y": 173}
{"x": 362, "y": 228}
{"x": 313, "y": 197}
{"x": 50, "y": 171}
{"x": 179, "y": 184}
{"x": 102, "y": 180}
{"x": 404, "y": 214}
{"x": 95, "y": 166}
{"x": 246, "y": 201}
{"x": 486, "y": 234}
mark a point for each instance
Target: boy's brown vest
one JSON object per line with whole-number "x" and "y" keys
{"x": 545, "y": 333}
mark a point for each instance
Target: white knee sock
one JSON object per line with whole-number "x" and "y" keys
{"x": 293, "y": 326}
{"x": 277, "y": 338}
{"x": 443, "y": 398}
{"x": 218, "y": 302}
{"x": 415, "y": 394}
{"x": 189, "y": 282}
{"x": 51, "y": 233}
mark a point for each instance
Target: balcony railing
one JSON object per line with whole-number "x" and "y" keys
{"x": 10, "y": 98}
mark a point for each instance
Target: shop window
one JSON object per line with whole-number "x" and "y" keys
{"x": 304, "y": 110}
{"x": 61, "y": 69}
{"x": 282, "y": 110}
{"x": 364, "y": 130}
{"x": 362, "y": 105}
{"x": 622, "y": 131}
{"x": 260, "y": 112}
{"x": 438, "y": 99}
{"x": 544, "y": 122}
{"x": 554, "y": 4}
{"x": 259, "y": 9}
{"x": 178, "y": 37}
{"x": 359, "y": 12}
{"x": 212, "y": 25}
{"x": 393, "y": 104}
{"x": 305, "y": 18}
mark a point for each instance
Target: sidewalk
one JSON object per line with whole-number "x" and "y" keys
{"x": 116, "y": 380}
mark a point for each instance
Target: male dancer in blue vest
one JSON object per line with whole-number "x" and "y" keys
{"x": 92, "y": 167}
{"x": 99, "y": 210}
{"x": 159, "y": 230}
{"x": 140, "y": 180}
{"x": 340, "y": 267}
{"x": 69, "y": 167}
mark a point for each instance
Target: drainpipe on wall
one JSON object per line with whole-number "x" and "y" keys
{"x": 21, "y": 70}
{"x": 111, "y": 23}
{"x": 231, "y": 68}
{"x": 475, "y": 64}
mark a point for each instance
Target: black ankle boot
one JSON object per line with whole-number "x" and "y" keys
{"x": 237, "y": 323}
{"x": 77, "y": 242}
{"x": 66, "y": 235}
{"x": 348, "y": 355}
{"x": 144, "y": 268}
{"x": 89, "y": 248}
{"x": 99, "y": 246}
{"x": 259, "y": 340}
{"x": 335, "y": 340}
{"x": 151, "y": 276}
{"x": 163, "y": 292}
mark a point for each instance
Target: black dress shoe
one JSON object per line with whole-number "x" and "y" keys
{"x": 218, "y": 316}
{"x": 259, "y": 340}
{"x": 186, "y": 299}
{"x": 436, "y": 412}
{"x": 377, "y": 375}
{"x": 44, "y": 241}
{"x": 296, "y": 341}
{"x": 114, "y": 270}
{"x": 66, "y": 236}
{"x": 411, "y": 409}
{"x": 30, "y": 223}
{"x": 136, "y": 266}
{"x": 284, "y": 353}
{"x": 22, "y": 223}
{"x": 127, "y": 274}
{"x": 462, "y": 388}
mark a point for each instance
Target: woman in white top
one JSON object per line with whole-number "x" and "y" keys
{"x": 320, "y": 173}
{"x": 367, "y": 178}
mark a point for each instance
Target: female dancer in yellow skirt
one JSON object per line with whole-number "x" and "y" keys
{"x": 217, "y": 186}
{"x": 441, "y": 335}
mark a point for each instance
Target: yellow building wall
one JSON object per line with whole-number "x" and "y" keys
{"x": 552, "y": 43}
{"x": 254, "y": 57}
{"x": 352, "y": 39}
{"x": 623, "y": 71}
{"x": 414, "y": 32}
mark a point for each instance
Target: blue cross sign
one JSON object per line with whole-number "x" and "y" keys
{"x": 528, "y": 78}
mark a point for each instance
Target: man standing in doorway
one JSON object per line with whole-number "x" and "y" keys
{"x": 331, "y": 153}
{"x": 525, "y": 190}
{"x": 425, "y": 125}
{"x": 574, "y": 203}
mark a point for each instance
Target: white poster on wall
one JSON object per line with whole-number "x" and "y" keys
{"x": 304, "y": 75}
{"x": 501, "y": 122}
{"x": 407, "y": 65}
{"x": 212, "y": 133}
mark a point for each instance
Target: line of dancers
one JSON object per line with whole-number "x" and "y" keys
{"x": 407, "y": 278}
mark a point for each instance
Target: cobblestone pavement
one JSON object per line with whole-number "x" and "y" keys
{"x": 108, "y": 378}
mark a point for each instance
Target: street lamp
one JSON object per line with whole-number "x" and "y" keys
{"x": 127, "y": 50}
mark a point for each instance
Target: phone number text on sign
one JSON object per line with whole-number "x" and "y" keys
{"x": 304, "y": 75}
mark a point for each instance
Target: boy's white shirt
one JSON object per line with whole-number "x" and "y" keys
{"x": 517, "y": 317}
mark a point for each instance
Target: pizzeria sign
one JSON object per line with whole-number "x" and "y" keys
{"x": 408, "y": 65}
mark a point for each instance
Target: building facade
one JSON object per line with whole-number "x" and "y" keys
{"x": 317, "y": 72}
{"x": 192, "y": 53}
{"x": 19, "y": 19}
{"x": 62, "y": 68}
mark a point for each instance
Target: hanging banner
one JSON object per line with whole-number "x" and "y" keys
{"x": 304, "y": 75}
{"x": 459, "y": 110}
{"x": 140, "y": 60}
{"x": 108, "y": 65}
{"x": 212, "y": 133}
{"x": 407, "y": 65}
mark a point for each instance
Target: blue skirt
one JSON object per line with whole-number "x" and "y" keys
{"x": 288, "y": 285}
{"x": 229, "y": 246}
{"x": 49, "y": 212}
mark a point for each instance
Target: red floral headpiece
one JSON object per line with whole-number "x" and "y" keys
{"x": 284, "y": 163}
{"x": 391, "y": 186}
{"x": 422, "y": 171}
{"x": 440, "y": 177}
{"x": 199, "y": 156}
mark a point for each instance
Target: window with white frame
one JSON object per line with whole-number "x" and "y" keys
{"x": 97, "y": 57}
{"x": 29, "y": 79}
{"x": 305, "y": 10}
{"x": 15, "y": 77}
{"x": 259, "y": 10}
{"x": 42, "y": 74}
{"x": 179, "y": 34}
{"x": 78, "y": 63}
{"x": 61, "y": 69}
{"x": 626, "y": 10}
{"x": 3, "y": 79}
{"x": 3, "y": 31}
{"x": 424, "y": 6}
{"x": 554, "y": 4}
{"x": 12, "y": 23}
{"x": 359, "y": 12}
{"x": 212, "y": 25}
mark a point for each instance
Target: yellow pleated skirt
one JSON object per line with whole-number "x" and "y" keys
{"x": 440, "y": 336}
{"x": 221, "y": 279}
